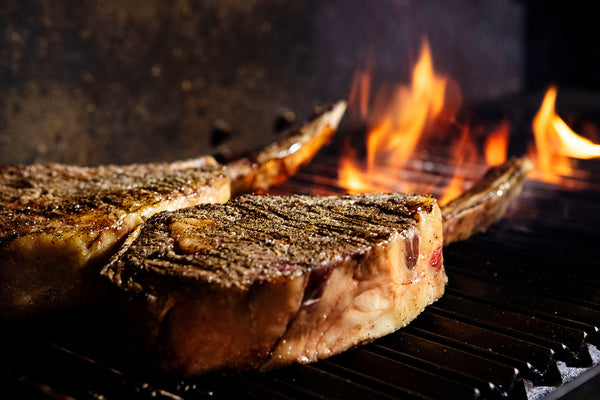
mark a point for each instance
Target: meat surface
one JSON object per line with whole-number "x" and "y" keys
{"x": 265, "y": 281}
{"x": 60, "y": 223}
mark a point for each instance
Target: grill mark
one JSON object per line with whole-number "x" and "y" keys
{"x": 264, "y": 238}
{"x": 339, "y": 226}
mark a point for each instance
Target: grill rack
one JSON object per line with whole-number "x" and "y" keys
{"x": 522, "y": 307}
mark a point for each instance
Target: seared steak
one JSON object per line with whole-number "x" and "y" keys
{"x": 59, "y": 223}
{"x": 265, "y": 281}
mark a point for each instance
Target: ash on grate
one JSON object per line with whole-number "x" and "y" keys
{"x": 567, "y": 374}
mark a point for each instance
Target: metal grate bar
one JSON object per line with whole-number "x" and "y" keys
{"x": 65, "y": 373}
{"x": 569, "y": 344}
{"x": 537, "y": 280}
{"x": 353, "y": 375}
{"x": 228, "y": 385}
{"x": 525, "y": 302}
{"x": 401, "y": 378}
{"x": 536, "y": 362}
{"x": 21, "y": 386}
{"x": 318, "y": 381}
{"x": 486, "y": 388}
{"x": 493, "y": 379}
{"x": 518, "y": 253}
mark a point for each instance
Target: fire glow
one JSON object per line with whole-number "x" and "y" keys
{"x": 555, "y": 143}
{"x": 464, "y": 150}
{"x": 395, "y": 126}
{"x": 418, "y": 115}
{"x": 412, "y": 115}
{"x": 496, "y": 144}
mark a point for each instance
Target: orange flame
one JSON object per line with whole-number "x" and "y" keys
{"x": 397, "y": 125}
{"x": 496, "y": 144}
{"x": 351, "y": 177}
{"x": 464, "y": 151}
{"x": 359, "y": 92}
{"x": 556, "y": 143}
{"x": 411, "y": 111}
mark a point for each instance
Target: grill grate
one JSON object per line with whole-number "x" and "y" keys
{"x": 522, "y": 307}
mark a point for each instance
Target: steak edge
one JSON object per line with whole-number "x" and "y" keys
{"x": 265, "y": 281}
{"x": 486, "y": 201}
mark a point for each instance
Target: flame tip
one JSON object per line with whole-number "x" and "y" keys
{"x": 556, "y": 144}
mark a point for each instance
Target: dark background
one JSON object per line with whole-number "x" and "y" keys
{"x": 121, "y": 81}
{"x": 562, "y": 44}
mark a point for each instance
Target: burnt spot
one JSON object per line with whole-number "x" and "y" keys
{"x": 21, "y": 183}
{"x": 412, "y": 249}
{"x": 314, "y": 289}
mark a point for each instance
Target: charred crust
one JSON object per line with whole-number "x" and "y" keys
{"x": 66, "y": 194}
{"x": 267, "y": 239}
